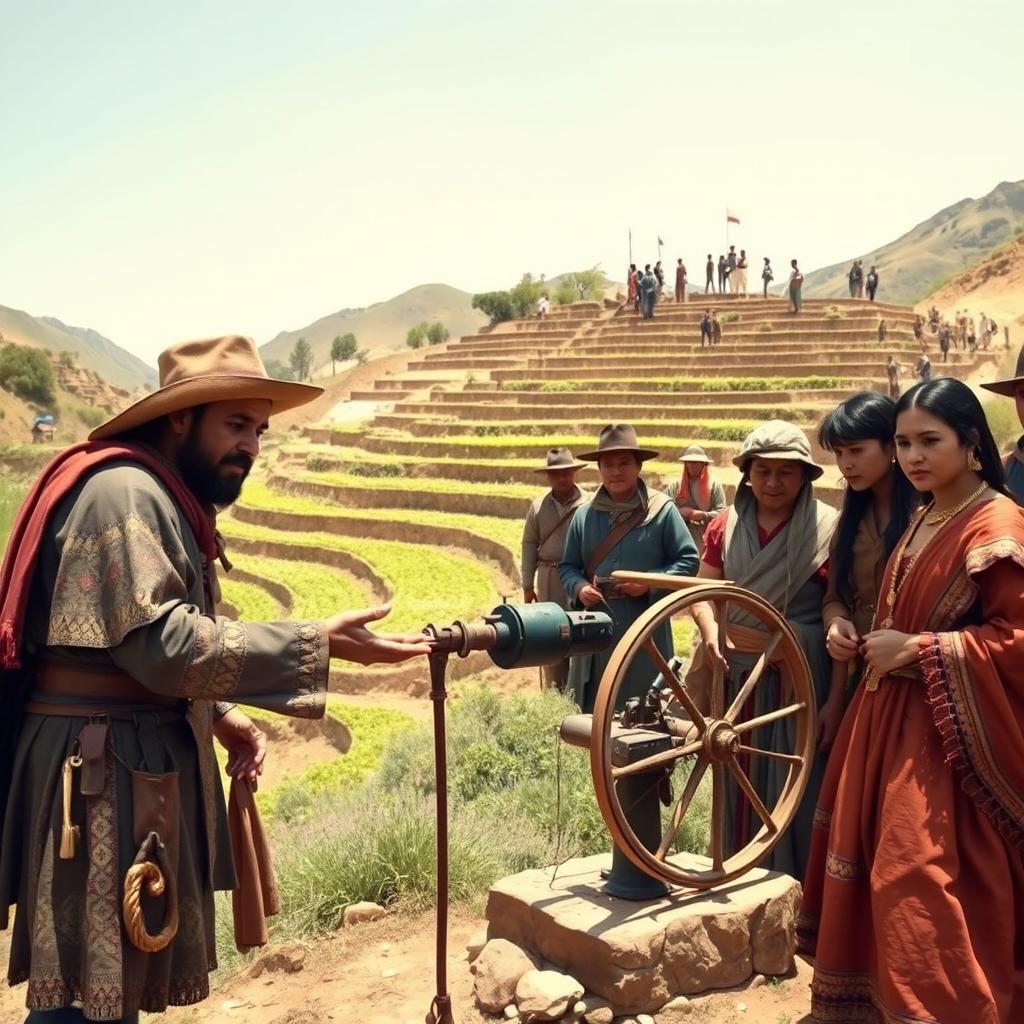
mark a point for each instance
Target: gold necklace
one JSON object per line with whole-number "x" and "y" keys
{"x": 938, "y": 518}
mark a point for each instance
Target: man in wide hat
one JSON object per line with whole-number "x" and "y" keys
{"x": 1013, "y": 463}
{"x": 117, "y": 675}
{"x": 547, "y": 523}
{"x": 624, "y": 526}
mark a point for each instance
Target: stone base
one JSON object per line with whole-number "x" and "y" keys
{"x": 638, "y": 956}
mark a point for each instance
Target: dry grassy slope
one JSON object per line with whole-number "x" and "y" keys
{"x": 995, "y": 286}
{"x": 16, "y": 419}
{"x": 92, "y": 350}
{"x": 383, "y": 327}
{"x": 939, "y": 248}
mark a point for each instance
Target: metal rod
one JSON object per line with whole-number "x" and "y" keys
{"x": 441, "y": 1008}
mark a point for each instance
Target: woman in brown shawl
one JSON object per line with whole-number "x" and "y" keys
{"x": 914, "y": 896}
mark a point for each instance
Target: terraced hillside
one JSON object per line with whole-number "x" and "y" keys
{"x": 428, "y": 495}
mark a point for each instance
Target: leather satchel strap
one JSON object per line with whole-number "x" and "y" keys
{"x": 561, "y": 522}
{"x": 635, "y": 518}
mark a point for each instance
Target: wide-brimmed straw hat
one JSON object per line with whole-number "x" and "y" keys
{"x": 619, "y": 437}
{"x": 1008, "y": 387}
{"x": 695, "y": 454}
{"x": 777, "y": 439}
{"x": 212, "y": 370}
{"x": 559, "y": 458}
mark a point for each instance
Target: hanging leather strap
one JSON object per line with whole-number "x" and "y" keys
{"x": 627, "y": 525}
{"x": 561, "y": 522}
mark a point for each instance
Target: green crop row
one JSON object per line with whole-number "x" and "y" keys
{"x": 507, "y": 532}
{"x": 714, "y": 384}
{"x": 252, "y": 603}
{"x": 373, "y": 731}
{"x": 440, "y": 485}
{"x": 429, "y": 585}
{"x": 318, "y": 591}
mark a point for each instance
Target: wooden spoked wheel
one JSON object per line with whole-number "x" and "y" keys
{"x": 719, "y": 739}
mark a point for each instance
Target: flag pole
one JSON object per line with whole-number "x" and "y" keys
{"x": 630, "y": 247}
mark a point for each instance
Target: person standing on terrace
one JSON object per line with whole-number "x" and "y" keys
{"x": 766, "y": 276}
{"x": 119, "y": 675}
{"x": 1013, "y": 462}
{"x": 697, "y": 494}
{"x": 912, "y": 900}
{"x": 547, "y": 523}
{"x": 624, "y": 526}
{"x": 631, "y": 286}
{"x": 877, "y": 507}
{"x": 705, "y": 328}
{"x": 648, "y": 292}
{"x": 872, "y": 283}
{"x": 723, "y": 273}
{"x": 709, "y": 269}
{"x": 741, "y": 273}
{"x": 796, "y": 283}
{"x": 680, "y": 280}
{"x": 773, "y": 541}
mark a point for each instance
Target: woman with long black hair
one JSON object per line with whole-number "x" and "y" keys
{"x": 876, "y": 510}
{"x": 914, "y": 897}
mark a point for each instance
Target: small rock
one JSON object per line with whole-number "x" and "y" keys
{"x": 358, "y": 913}
{"x": 742, "y": 1007}
{"x": 675, "y": 1010}
{"x": 757, "y": 981}
{"x": 288, "y": 958}
{"x": 644, "y": 1018}
{"x": 511, "y": 1012}
{"x": 546, "y": 995}
{"x": 388, "y": 972}
{"x": 498, "y": 969}
{"x": 579, "y": 1007}
{"x": 599, "y": 1015}
{"x": 476, "y": 943}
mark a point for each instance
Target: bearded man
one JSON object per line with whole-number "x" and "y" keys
{"x": 117, "y": 677}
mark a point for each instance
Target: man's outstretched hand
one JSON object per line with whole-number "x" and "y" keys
{"x": 350, "y": 639}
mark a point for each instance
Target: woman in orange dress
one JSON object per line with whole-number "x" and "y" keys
{"x": 914, "y": 896}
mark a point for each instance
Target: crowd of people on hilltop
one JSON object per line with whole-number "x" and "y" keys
{"x": 645, "y": 288}
{"x": 906, "y": 605}
{"x": 859, "y": 282}
{"x": 960, "y": 332}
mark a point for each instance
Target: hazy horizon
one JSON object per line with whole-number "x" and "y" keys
{"x": 179, "y": 172}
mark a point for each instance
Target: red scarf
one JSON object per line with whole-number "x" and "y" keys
{"x": 684, "y": 496}
{"x": 58, "y": 478}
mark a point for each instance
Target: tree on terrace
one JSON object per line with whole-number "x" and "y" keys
{"x": 301, "y": 360}
{"x": 343, "y": 348}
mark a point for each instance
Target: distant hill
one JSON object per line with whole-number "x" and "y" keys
{"x": 918, "y": 262}
{"x": 382, "y": 328}
{"x": 995, "y": 286}
{"x": 92, "y": 350}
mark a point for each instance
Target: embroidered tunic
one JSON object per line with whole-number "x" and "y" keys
{"x": 119, "y": 586}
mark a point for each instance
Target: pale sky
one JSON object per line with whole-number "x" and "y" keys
{"x": 176, "y": 170}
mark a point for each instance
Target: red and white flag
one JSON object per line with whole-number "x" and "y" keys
{"x": 730, "y": 216}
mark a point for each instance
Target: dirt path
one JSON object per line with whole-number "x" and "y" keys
{"x": 383, "y": 973}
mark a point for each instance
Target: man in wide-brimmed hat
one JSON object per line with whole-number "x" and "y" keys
{"x": 547, "y": 523}
{"x": 118, "y": 674}
{"x": 1013, "y": 463}
{"x": 697, "y": 494}
{"x": 624, "y": 526}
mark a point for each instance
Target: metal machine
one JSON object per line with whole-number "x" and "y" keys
{"x": 636, "y": 752}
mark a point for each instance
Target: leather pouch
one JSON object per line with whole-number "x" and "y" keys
{"x": 92, "y": 744}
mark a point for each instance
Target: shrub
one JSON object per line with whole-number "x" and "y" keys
{"x": 318, "y": 463}
{"x": 834, "y": 313}
{"x": 730, "y": 318}
{"x": 496, "y": 305}
{"x": 555, "y": 386}
{"x": 90, "y": 415}
{"x": 28, "y": 374}
{"x": 376, "y": 469}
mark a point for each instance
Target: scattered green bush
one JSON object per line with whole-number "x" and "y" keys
{"x": 834, "y": 313}
{"x": 730, "y": 318}
{"x": 28, "y": 373}
{"x": 376, "y": 470}
{"x": 319, "y": 463}
{"x": 90, "y": 415}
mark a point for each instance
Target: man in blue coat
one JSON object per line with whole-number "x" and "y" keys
{"x": 650, "y": 536}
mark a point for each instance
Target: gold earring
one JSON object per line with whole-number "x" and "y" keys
{"x": 973, "y": 463}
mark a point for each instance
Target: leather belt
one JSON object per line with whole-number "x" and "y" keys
{"x": 76, "y": 692}
{"x": 117, "y": 712}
